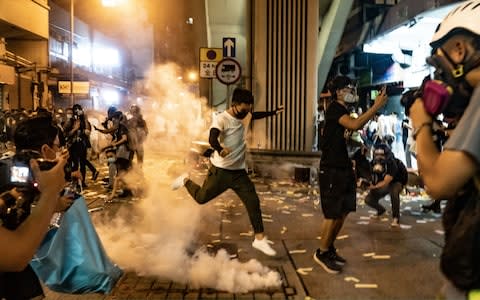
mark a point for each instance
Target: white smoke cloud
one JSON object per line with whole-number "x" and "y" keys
{"x": 156, "y": 237}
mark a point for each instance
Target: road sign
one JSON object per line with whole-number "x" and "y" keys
{"x": 229, "y": 44}
{"x": 228, "y": 71}
{"x": 209, "y": 57}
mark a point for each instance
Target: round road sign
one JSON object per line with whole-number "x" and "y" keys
{"x": 228, "y": 71}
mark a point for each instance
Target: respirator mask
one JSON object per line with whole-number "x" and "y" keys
{"x": 449, "y": 92}
{"x": 379, "y": 160}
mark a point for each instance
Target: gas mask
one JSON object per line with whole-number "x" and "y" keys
{"x": 111, "y": 160}
{"x": 378, "y": 166}
{"x": 449, "y": 93}
{"x": 379, "y": 160}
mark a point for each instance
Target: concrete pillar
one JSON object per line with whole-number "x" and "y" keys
{"x": 332, "y": 25}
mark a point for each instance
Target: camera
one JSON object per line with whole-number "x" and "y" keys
{"x": 15, "y": 172}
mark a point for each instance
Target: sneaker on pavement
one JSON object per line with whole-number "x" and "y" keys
{"x": 379, "y": 215}
{"x": 395, "y": 222}
{"x": 263, "y": 245}
{"x": 179, "y": 181}
{"x": 337, "y": 258}
{"x": 325, "y": 260}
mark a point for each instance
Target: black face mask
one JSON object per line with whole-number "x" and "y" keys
{"x": 239, "y": 114}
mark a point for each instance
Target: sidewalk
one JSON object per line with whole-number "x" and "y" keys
{"x": 383, "y": 262}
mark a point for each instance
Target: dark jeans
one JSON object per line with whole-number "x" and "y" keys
{"x": 78, "y": 156}
{"x": 394, "y": 189}
{"x": 218, "y": 181}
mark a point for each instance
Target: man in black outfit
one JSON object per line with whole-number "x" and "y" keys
{"x": 337, "y": 177}
{"x": 389, "y": 176}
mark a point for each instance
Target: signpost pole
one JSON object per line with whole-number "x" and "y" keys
{"x": 72, "y": 22}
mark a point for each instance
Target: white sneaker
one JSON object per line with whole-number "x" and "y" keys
{"x": 179, "y": 181}
{"x": 263, "y": 245}
{"x": 395, "y": 222}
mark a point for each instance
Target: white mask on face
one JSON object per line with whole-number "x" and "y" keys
{"x": 349, "y": 98}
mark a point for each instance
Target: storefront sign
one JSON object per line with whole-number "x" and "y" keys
{"x": 79, "y": 87}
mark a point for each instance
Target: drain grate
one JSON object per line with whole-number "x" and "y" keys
{"x": 132, "y": 286}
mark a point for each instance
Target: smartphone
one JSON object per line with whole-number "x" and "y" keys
{"x": 19, "y": 174}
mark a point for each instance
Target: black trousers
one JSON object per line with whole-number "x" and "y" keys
{"x": 218, "y": 181}
{"x": 394, "y": 189}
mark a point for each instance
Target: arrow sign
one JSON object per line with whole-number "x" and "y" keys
{"x": 229, "y": 44}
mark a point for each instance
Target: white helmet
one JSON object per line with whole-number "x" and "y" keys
{"x": 465, "y": 16}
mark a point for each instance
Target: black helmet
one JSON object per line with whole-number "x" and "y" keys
{"x": 111, "y": 110}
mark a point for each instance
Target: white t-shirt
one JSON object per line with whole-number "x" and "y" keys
{"x": 232, "y": 136}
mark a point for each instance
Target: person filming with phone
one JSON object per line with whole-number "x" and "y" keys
{"x": 34, "y": 175}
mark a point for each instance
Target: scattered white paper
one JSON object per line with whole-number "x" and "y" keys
{"x": 381, "y": 256}
{"x": 304, "y": 271}
{"x": 297, "y": 251}
{"x": 351, "y": 278}
{"x": 366, "y": 286}
{"x": 341, "y": 237}
{"x": 363, "y": 222}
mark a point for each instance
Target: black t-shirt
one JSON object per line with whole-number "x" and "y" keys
{"x": 334, "y": 140}
{"x": 120, "y": 131}
{"x": 393, "y": 168}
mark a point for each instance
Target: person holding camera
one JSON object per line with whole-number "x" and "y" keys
{"x": 19, "y": 242}
{"x": 337, "y": 177}
{"x": 453, "y": 174}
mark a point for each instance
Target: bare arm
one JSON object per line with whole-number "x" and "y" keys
{"x": 355, "y": 124}
{"x": 386, "y": 181}
{"x": 19, "y": 246}
{"x": 441, "y": 184}
{"x": 122, "y": 140}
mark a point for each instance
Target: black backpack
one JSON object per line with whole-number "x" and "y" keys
{"x": 460, "y": 260}
{"x": 402, "y": 172}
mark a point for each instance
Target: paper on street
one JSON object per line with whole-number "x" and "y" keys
{"x": 351, "y": 278}
{"x": 366, "y": 286}
{"x": 297, "y": 251}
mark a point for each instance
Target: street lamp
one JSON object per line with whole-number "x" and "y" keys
{"x": 72, "y": 21}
